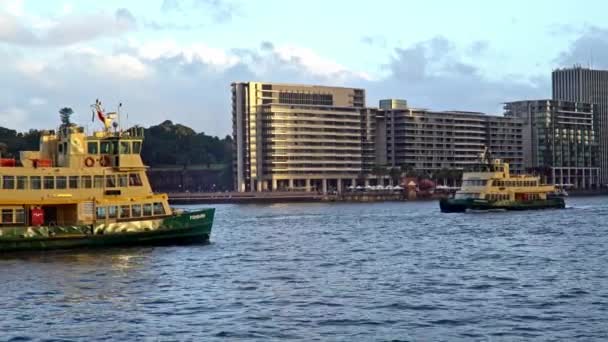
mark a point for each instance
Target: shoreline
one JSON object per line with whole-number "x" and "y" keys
{"x": 185, "y": 198}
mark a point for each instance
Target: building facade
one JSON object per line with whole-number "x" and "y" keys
{"x": 561, "y": 136}
{"x": 429, "y": 141}
{"x": 299, "y": 137}
{"x": 586, "y": 85}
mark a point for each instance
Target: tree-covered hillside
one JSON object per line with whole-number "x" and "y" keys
{"x": 165, "y": 145}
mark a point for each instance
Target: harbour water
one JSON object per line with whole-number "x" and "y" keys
{"x": 329, "y": 272}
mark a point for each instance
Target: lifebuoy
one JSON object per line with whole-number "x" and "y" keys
{"x": 104, "y": 161}
{"x": 89, "y": 161}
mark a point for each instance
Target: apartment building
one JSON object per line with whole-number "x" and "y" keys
{"x": 562, "y": 136}
{"x": 432, "y": 140}
{"x": 300, "y": 137}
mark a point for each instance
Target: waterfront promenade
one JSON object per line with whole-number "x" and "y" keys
{"x": 302, "y": 196}
{"x": 281, "y": 197}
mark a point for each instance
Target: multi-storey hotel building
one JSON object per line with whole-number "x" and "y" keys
{"x": 560, "y": 135}
{"x": 299, "y": 137}
{"x": 430, "y": 140}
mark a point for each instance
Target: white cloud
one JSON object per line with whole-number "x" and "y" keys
{"x": 315, "y": 63}
{"x": 67, "y": 9}
{"x": 121, "y": 66}
{"x": 170, "y": 49}
{"x": 13, "y": 7}
{"x": 37, "y": 101}
{"x": 18, "y": 28}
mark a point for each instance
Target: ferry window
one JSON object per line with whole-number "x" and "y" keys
{"x": 159, "y": 209}
{"x": 125, "y": 147}
{"x": 49, "y": 182}
{"x": 124, "y": 211}
{"x": 101, "y": 213}
{"x": 86, "y": 182}
{"x": 7, "y": 215}
{"x": 98, "y": 181}
{"x": 136, "y": 210}
{"x": 108, "y": 147}
{"x": 21, "y": 182}
{"x": 112, "y": 211}
{"x": 61, "y": 182}
{"x": 110, "y": 181}
{"x": 134, "y": 179}
{"x": 35, "y": 183}
{"x": 19, "y": 216}
{"x": 8, "y": 182}
{"x": 73, "y": 182}
{"x": 93, "y": 147}
{"x": 148, "y": 209}
{"x": 123, "y": 180}
{"x": 136, "y": 147}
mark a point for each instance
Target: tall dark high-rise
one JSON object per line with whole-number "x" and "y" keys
{"x": 586, "y": 85}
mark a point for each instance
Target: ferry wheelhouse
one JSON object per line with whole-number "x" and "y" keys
{"x": 80, "y": 191}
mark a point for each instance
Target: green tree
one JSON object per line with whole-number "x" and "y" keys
{"x": 65, "y": 113}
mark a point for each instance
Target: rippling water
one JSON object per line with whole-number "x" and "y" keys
{"x": 349, "y": 272}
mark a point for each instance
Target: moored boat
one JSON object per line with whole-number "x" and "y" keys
{"x": 490, "y": 186}
{"x": 89, "y": 191}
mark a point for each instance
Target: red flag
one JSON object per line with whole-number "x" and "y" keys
{"x": 100, "y": 115}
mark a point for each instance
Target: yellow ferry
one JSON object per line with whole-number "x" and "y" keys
{"x": 80, "y": 191}
{"x": 489, "y": 185}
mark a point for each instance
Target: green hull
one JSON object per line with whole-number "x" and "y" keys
{"x": 190, "y": 227}
{"x": 451, "y": 205}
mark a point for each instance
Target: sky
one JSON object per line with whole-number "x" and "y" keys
{"x": 175, "y": 59}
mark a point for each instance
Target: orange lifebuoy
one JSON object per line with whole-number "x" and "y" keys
{"x": 89, "y": 161}
{"x": 104, "y": 161}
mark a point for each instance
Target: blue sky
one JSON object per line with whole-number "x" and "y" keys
{"x": 175, "y": 59}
